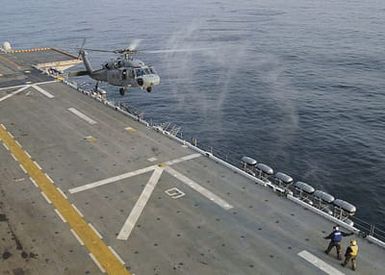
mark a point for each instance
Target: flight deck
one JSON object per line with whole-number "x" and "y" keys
{"x": 86, "y": 189}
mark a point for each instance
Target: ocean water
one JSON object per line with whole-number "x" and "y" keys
{"x": 296, "y": 84}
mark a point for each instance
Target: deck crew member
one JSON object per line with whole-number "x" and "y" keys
{"x": 335, "y": 240}
{"x": 351, "y": 254}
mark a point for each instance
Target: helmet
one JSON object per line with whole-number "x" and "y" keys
{"x": 336, "y": 228}
{"x": 353, "y": 242}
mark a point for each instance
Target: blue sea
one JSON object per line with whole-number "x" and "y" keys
{"x": 296, "y": 84}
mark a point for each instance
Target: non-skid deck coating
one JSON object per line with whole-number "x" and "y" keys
{"x": 158, "y": 207}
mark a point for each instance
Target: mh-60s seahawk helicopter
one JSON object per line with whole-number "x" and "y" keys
{"x": 124, "y": 71}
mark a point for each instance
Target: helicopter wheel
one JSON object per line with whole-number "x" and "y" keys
{"x": 149, "y": 89}
{"x": 121, "y": 91}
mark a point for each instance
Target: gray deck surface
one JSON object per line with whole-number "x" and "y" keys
{"x": 262, "y": 234}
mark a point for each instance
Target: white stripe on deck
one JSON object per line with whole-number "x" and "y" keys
{"x": 140, "y": 204}
{"x": 23, "y": 85}
{"x": 185, "y": 158}
{"x": 14, "y": 93}
{"x": 319, "y": 263}
{"x": 42, "y": 91}
{"x": 82, "y": 116}
{"x": 200, "y": 189}
{"x": 112, "y": 179}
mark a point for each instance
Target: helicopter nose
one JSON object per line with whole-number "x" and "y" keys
{"x": 151, "y": 80}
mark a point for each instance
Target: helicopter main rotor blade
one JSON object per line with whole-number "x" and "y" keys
{"x": 98, "y": 50}
{"x": 134, "y": 44}
{"x": 178, "y": 50}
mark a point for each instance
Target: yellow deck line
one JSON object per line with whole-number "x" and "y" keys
{"x": 110, "y": 263}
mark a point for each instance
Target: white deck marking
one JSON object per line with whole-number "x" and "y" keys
{"x": 96, "y": 231}
{"x": 112, "y": 179}
{"x": 140, "y": 204}
{"x": 77, "y": 237}
{"x": 38, "y": 166}
{"x": 45, "y": 197}
{"x": 14, "y": 93}
{"x": 34, "y": 182}
{"x": 174, "y": 193}
{"x": 62, "y": 193}
{"x": 82, "y": 116}
{"x": 42, "y": 91}
{"x": 23, "y": 85}
{"x": 49, "y": 178}
{"x": 22, "y": 168}
{"x": 97, "y": 263}
{"x": 60, "y": 216}
{"x": 200, "y": 189}
{"x": 77, "y": 210}
{"x": 13, "y": 156}
{"x": 319, "y": 263}
{"x": 27, "y": 154}
{"x": 116, "y": 255}
{"x": 129, "y": 174}
{"x": 152, "y": 159}
{"x": 185, "y": 158}
{"x": 5, "y": 146}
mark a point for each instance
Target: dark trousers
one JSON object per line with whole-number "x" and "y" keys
{"x": 353, "y": 259}
{"x": 338, "y": 247}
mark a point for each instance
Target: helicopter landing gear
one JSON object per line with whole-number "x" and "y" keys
{"x": 122, "y": 91}
{"x": 149, "y": 89}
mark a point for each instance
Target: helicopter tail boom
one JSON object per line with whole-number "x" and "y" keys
{"x": 78, "y": 73}
{"x": 86, "y": 62}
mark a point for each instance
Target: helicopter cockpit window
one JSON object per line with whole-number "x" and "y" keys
{"x": 146, "y": 71}
{"x": 139, "y": 72}
{"x": 152, "y": 71}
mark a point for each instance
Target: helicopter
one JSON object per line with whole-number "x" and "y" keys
{"x": 125, "y": 71}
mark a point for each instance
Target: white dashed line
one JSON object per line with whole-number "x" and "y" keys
{"x": 27, "y": 154}
{"x": 77, "y": 237}
{"x": 60, "y": 216}
{"x": 82, "y": 116}
{"x": 97, "y": 263}
{"x": 96, "y": 231}
{"x": 116, "y": 255}
{"x": 42, "y": 91}
{"x": 45, "y": 197}
{"x": 22, "y": 168}
{"x": 38, "y": 166}
{"x": 77, "y": 210}
{"x": 13, "y": 156}
{"x": 5, "y": 146}
{"x": 49, "y": 178}
{"x": 34, "y": 182}
{"x": 61, "y": 192}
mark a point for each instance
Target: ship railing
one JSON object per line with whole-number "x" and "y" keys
{"x": 367, "y": 229}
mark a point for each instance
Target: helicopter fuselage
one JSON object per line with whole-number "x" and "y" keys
{"x": 124, "y": 72}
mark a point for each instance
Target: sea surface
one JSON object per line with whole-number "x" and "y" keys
{"x": 296, "y": 84}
